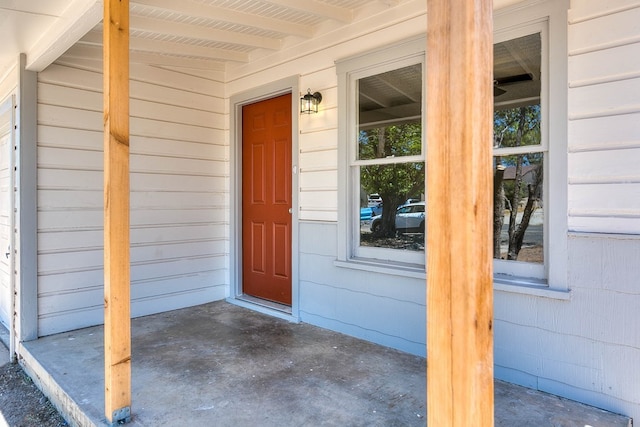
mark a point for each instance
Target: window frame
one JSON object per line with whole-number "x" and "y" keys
{"x": 353, "y": 125}
{"x": 550, "y": 14}
{"x": 527, "y": 270}
{"x": 550, "y": 19}
{"x": 386, "y": 59}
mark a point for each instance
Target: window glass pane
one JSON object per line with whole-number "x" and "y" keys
{"x": 392, "y": 206}
{"x": 516, "y": 127}
{"x": 516, "y": 74}
{"x": 518, "y": 221}
{"x": 389, "y": 114}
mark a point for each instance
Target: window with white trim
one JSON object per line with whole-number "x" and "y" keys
{"x": 530, "y": 127}
{"x": 519, "y": 151}
{"x": 385, "y": 157}
{"x": 529, "y": 145}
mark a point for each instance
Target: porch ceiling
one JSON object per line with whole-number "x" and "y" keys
{"x": 218, "y": 34}
{"x": 197, "y": 34}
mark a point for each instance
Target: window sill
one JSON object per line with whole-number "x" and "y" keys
{"x": 533, "y": 287}
{"x": 393, "y": 269}
{"x": 501, "y": 283}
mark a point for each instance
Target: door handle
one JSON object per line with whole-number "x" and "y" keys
{"x": 290, "y": 210}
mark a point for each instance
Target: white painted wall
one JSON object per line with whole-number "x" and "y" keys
{"x": 8, "y": 88}
{"x": 604, "y": 119}
{"x": 6, "y": 209}
{"x": 382, "y": 308}
{"x": 586, "y": 348}
{"x": 179, "y": 184}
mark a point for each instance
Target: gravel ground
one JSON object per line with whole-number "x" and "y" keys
{"x": 21, "y": 402}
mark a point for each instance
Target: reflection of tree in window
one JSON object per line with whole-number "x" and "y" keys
{"x": 394, "y": 182}
{"x": 389, "y": 157}
{"x": 518, "y": 221}
{"x": 517, "y": 179}
{"x": 391, "y": 141}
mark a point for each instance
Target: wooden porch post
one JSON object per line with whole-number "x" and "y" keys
{"x": 117, "y": 322}
{"x": 459, "y": 246}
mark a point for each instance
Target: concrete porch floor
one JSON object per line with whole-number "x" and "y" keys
{"x": 223, "y": 365}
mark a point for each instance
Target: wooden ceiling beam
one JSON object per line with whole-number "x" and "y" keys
{"x": 389, "y": 3}
{"x": 200, "y": 10}
{"x": 151, "y": 58}
{"x": 77, "y": 19}
{"x": 200, "y": 32}
{"x": 91, "y": 52}
{"x": 160, "y": 47}
{"x": 179, "y": 49}
{"x": 324, "y": 10}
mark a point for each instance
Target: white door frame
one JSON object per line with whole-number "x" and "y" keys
{"x": 237, "y": 101}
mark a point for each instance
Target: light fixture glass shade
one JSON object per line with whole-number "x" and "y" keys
{"x": 309, "y": 102}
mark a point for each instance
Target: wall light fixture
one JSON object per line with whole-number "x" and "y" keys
{"x": 309, "y": 102}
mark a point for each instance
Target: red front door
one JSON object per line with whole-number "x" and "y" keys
{"x": 266, "y": 199}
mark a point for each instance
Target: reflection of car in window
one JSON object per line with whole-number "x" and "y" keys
{"x": 366, "y": 214}
{"x": 409, "y": 218}
{"x": 375, "y": 198}
{"x": 376, "y": 208}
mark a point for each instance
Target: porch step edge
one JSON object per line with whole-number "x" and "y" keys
{"x": 68, "y": 408}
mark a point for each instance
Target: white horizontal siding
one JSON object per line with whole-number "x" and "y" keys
{"x": 389, "y": 310}
{"x": 604, "y": 66}
{"x": 6, "y": 192}
{"x": 318, "y": 156}
{"x": 587, "y": 347}
{"x": 604, "y": 116}
{"x": 10, "y": 130}
{"x": 179, "y": 192}
{"x": 151, "y": 84}
{"x": 202, "y": 287}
